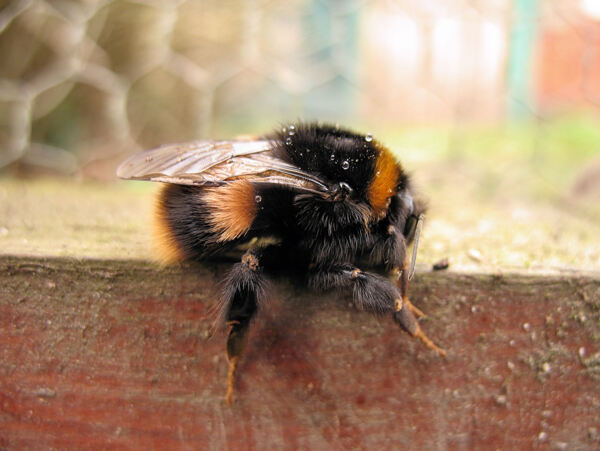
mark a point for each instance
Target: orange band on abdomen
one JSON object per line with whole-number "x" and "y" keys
{"x": 232, "y": 209}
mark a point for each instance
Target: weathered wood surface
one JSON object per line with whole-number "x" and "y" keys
{"x": 98, "y": 354}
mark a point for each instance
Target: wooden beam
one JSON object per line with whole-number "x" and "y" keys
{"x": 120, "y": 354}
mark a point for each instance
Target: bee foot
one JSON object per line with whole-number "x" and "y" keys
{"x": 406, "y": 319}
{"x": 233, "y": 362}
{"x": 430, "y": 344}
{"x": 416, "y": 311}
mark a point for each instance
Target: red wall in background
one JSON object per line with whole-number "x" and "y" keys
{"x": 568, "y": 66}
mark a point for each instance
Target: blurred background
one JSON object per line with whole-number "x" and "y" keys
{"x": 493, "y": 104}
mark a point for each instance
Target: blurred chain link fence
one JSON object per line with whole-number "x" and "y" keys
{"x": 83, "y": 81}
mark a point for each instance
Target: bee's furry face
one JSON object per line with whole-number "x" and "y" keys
{"x": 335, "y": 155}
{"x": 355, "y": 167}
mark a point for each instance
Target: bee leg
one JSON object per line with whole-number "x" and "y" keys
{"x": 407, "y": 320}
{"x": 402, "y": 277}
{"x": 375, "y": 294}
{"x": 236, "y": 343}
{"x": 406, "y": 313}
{"x": 243, "y": 292}
{"x": 390, "y": 247}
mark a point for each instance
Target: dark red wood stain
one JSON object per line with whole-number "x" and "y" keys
{"x": 119, "y": 355}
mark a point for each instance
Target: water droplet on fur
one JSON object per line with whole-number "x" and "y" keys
{"x": 378, "y": 172}
{"x": 345, "y": 165}
{"x": 258, "y": 198}
{"x": 332, "y": 157}
{"x": 368, "y": 137}
{"x": 307, "y": 150}
{"x": 288, "y": 141}
{"x": 284, "y": 129}
{"x": 292, "y": 129}
{"x": 291, "y": 133}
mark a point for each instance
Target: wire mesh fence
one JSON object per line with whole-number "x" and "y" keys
{"x": 83, "y": 81}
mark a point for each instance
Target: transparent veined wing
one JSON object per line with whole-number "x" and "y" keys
{"x": 217, "y": 162}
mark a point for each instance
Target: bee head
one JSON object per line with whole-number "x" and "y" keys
{"x": 356, "y": 168}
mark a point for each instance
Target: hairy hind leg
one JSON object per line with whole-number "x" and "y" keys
{"x": 244, "y": 289}
{"x": 401, "y": 276}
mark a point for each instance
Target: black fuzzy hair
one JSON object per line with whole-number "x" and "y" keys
{"x": 335, "y": 154}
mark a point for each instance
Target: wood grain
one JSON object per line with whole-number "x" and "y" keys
{"x": 100, "y": 354}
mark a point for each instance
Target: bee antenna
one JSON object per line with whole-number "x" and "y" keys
{"x": 413, "y": 260}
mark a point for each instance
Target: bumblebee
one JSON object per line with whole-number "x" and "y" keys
{"x": 316, "y": 200}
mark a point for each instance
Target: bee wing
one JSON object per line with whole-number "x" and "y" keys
{"x": 216, "y": 163}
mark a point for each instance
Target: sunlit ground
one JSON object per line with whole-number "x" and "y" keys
{"x": 62, "y": 217}
{"x": 500, "y": 199}
{"x": 505, "y": 198}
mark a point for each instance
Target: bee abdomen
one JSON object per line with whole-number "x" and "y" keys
{"x": 192, "y": 222}
{"x": 166, "y": 240}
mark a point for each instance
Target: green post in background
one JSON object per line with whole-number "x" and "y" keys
{"x": 521, "y": 52}
{"x": 332, "y": 30}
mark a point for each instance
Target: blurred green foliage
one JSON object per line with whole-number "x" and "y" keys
{"x": 533, "y": 160}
